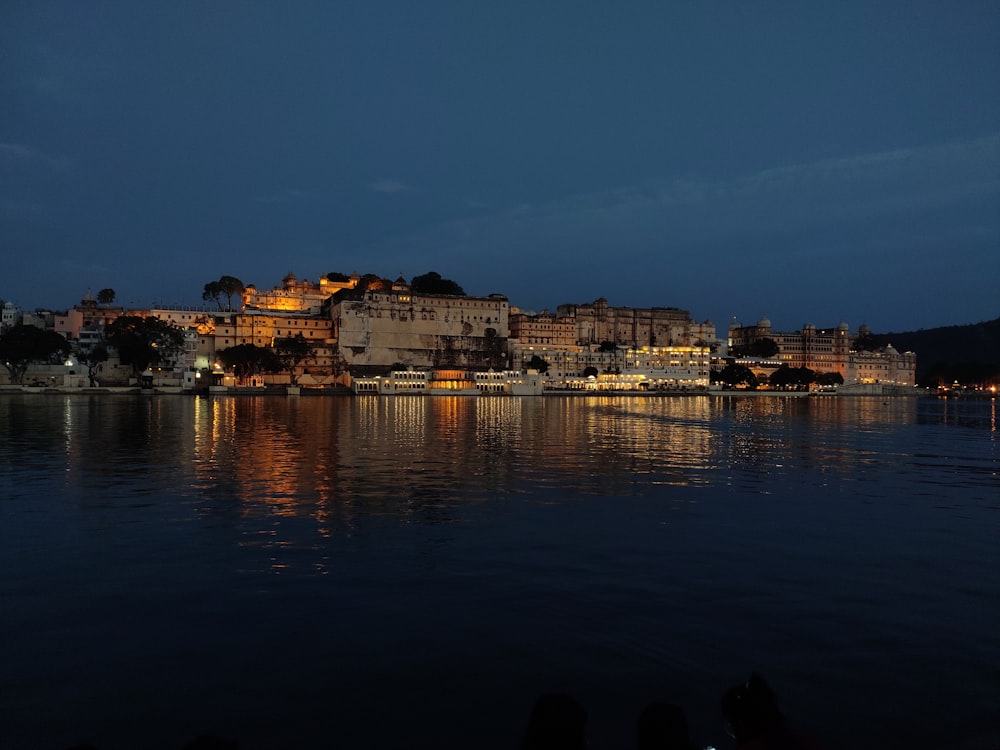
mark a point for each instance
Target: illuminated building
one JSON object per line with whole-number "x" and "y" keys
{"x": 643, "y": 368}
{"x": 449, "y": 382}
{"x": 830, "y": 350}
{"x": 294, "y": 296}
{"x": 385, "y": 326}
{"x": 598, "y": 322}
{"x": 885, "y": 366}
{"x": 544, "y": 329}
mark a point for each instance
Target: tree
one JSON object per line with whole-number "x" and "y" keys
{"x": 144, "y": 342}
{"x": 537, "y": 363}
{"x": 786, "y": 376}
{"x": 764, "y": 348}
{"x": 226, "y": 286}
{"x": 590, "y": 372}
{"x": 373, "y": 282}
{"x": 338, "y": 277}
{"x": 734, "y": 374}
{"x": 23, "y": 344}
{"x": 213, "y": 292}
{"x": 866, "y": 342}
{"x": 493, "y": 347}
{"x": 106, "y": 296}
{"x": 230, "y": 286}
{"x": 249, "y": 359}
{"x": 93, "y": 359}
{"x": 292, "y": 351}
{"x": 830, "y": 378}
{"x": 608, "y": 346}
{"x": 338, "y": 365}
{"x": 432, "y": 283}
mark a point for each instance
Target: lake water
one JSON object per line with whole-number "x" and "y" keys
{"x": 412, "y": 572}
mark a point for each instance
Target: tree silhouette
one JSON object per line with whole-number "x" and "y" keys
{"x": 373, "y": 282}
{"x": 765, "y": 348}
{"x": 93, "y": 359}
{"x": 226, "y": 286}
{"x": 213, "y": 291}
{"x": 231, "y": 287}
{"x": 432, "y": 283}
{"x": 24, "y": 344}
{"x": 292, "y": 351}
{"x": 249, "y": 359}
{"x": 144, "y": 342}
{"x": 830, "y": 378}
{"x": 734, "y": 374}
{"x": 537, "y": 363}
{"x": 786, "y": 376}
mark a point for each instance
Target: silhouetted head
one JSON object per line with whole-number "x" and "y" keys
{"x": 663, "y": 726}
{"x": 751, "y": 709}
{"x": 557, "y": 722}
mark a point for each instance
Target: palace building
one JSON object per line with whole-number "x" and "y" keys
{"x": 828, "y": 350}
{"x": 383, "y": 327}
{"x": 598, "y": 322}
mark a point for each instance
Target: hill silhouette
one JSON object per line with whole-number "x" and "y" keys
{"x": 969, "y": 354}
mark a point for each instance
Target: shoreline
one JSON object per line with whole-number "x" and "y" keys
{"x": 322, "y": 392}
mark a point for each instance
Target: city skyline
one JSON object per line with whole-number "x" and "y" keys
{"x": 808, "y": 165}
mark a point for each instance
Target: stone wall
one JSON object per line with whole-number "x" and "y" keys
{"x": 383, "y": 327}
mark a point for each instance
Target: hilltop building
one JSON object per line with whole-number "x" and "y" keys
{"x": 294, "y": 296}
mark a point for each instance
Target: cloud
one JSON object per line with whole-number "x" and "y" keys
{"x": 18, "y": 152}
{"x": 390, "y": 186}
{"x": 867, "y": 217}
{"x": 784, "y": 199}
{"x": 971, "y": 163}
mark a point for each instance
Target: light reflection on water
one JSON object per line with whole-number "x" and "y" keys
{"x": 632, "y": 546}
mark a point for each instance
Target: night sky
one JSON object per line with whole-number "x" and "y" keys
{"x": 811, "y": 162}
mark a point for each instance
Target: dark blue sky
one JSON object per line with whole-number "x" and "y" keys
{"x": 811, "y": 162}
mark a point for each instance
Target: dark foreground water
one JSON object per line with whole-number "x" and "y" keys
{"x": 413, "y": 572}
